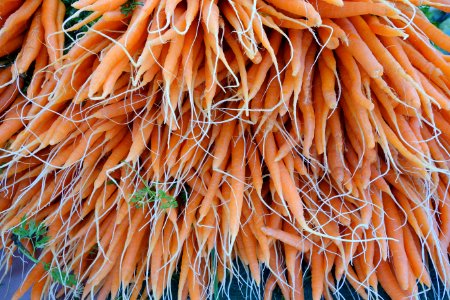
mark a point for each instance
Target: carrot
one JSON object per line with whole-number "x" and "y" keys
{"x": 254, "y": 164}
{"x": 193, "y": 281}
{"x": 277, "y": 268}
{"x": 49, "y": 13}
{"x": 391, "y": 66}
{"x": 393, "y": 139}
{"x": 382, "y": 29}
{"x": 237, "y": 173}
{"x": 397, "y": 247}
{"x": 17, "y": 20}
{"x": 13, "y": 44}
{"x": 184, "y": 270}
{"x": 432, "y": 32}
{"x": 114, "y": 250}
{"x": 317, "y": 273}
{"x": 388, "y": 281}
{"x": 328, "y": 79}
{"x": 42, "y": 100}
{"x": 8, "y": 97}
{"x": 90, "y": 39}
{"x": 300, "y": 8}
{"x": 223, "y": 141}
{"x": 269, "y": 287}
{"x": 259, "y": 221}
{"x": 7, "y": 7}
{"x": 82, "y": 147}
{"x": 297, "y": 280}
{"x": 141, "y": 135}
{"x": 438, "y": 95}
{"x": 299, "y": 243}
{"x": 38, "y": 74}
{"x": 415, "y": 257}
{"x": 421, "y": 62}
{"x": 82, "y": 3}
{"x": 116, "y": 156}
{"x": 12, "y": 122}
{"x": 116, "y": 53}
{"x": 321, "y": 117}
{"x": 355, "y": 284}
{"x": 267, "y": 145}
{"x": 353, "y": 8}
{"x": 38, "y": 288}
{"x": 106, "y": 288}
{"x": 327, "y": 39}
{"x": 256, "y": 80}
{"x": 213, "y": 187}
{"x": 359, "y": 50}
{"x": 33, "y": 276}
{"x": 133, "y": 103}
{"x": 59, "y": 24}
{"x": 305, "y": 103}
{"x": 103, "y": 5}
{"x": 338, "y": 32}
{"x": 250, "y": 250}
{"x": 351, "y": 78}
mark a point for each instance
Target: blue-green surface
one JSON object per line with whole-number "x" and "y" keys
{"x": 439, "y": 18}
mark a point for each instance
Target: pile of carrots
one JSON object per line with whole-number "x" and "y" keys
{"x": 160, "y": 137}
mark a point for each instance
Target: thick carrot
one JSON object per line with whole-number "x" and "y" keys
{"x": 17, "y": 20}
{"x": 7, "y": 7}
{"x": 13, "y": 44}
{"x": 49, "y": 13}
{"x": 32, "y": 45}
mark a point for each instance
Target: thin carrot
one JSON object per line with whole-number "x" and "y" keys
{"x": 237, "y": 173}
{"x": 399, "y": 257}
{"x": 317, "y": 273}
{"x": 353, "y": 8}
{"x": 300, "y": 8}
{"x": 299, "y": 243}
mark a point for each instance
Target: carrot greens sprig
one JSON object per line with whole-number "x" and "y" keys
{"x": 130, "y": 6}
{"x": 149, "y": 193}
{"x": 64, "y": 278}
{"x": 35, "y": 233}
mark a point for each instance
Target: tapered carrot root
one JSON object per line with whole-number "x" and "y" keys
{"x": 178, "y": 137}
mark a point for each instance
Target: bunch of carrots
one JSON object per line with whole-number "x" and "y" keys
{"x": 146, "y": 139}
